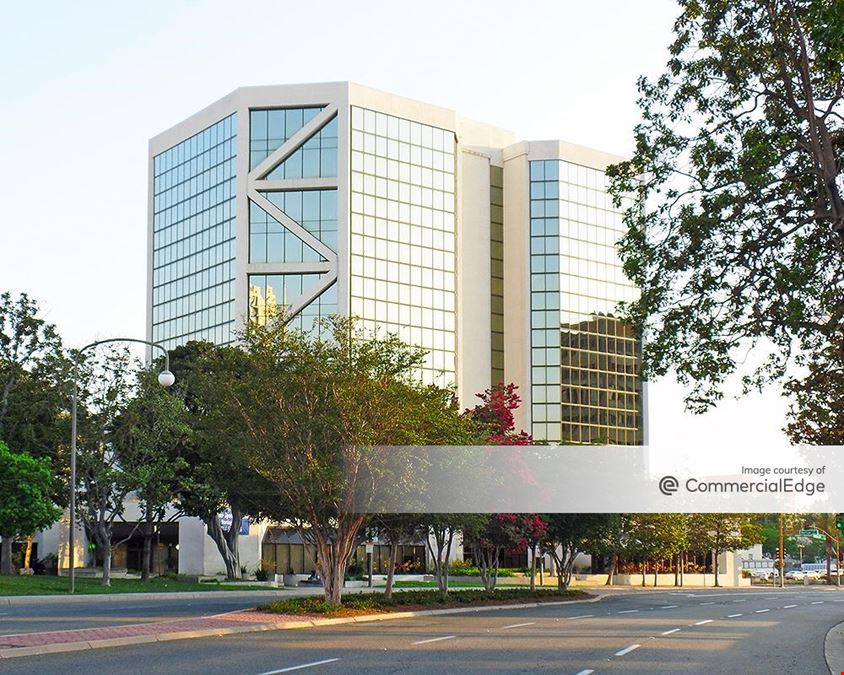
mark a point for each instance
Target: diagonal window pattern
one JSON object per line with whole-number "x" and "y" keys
{"x": 270, "y": 129}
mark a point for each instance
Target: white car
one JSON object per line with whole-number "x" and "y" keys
{"x": 762, "y": 573}
{"x": 796, "y": 575}
{"x": 813, "y": 574}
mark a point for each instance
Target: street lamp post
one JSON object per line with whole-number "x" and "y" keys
{"x": 165, "y": 379}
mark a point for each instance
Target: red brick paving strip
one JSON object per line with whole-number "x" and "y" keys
{"x": 229, "y": 620}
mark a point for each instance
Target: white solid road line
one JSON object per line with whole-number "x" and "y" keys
{"x": 436, "y": 639}
{"x": 700, "y": 623}
{"x": 304, "y": 665}
{"x": 582, "y": 616}
{"x": 628, "y": 611}
{"x": 668, "y": 607}
{"x": 519, "y": 625}
{"x": 627, "y": 650}
{"x": 760, "y": 611}
{"x": 788, "y": 606}
{"x": 673, "y": 630}
{"x": 733, "y": 616}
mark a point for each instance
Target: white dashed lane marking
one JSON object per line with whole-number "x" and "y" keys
{"x": 582, "y": 616}
{"x": 627, "y": 650}
{"x": 519, "y": 625}
{"x": 789, "y": 606}
{"x": 733, "y": 616}
{"x": 668, "y": 607}
{"x": 700, "y": 623}
{"x": 628, "y": 611}
{"x": 761, "y": 611}
{"x": 673, "y": 630}
{"x": 436, "y": 639}
{"x": 304, "y": 665}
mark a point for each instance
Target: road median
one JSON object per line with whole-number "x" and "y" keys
{"x": 33, "y": 644}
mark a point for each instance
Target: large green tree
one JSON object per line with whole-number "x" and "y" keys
{"x": 737, "y": 233}
{"x": 149, "y": 436}
{"x": 714, "y": 533}
{"x": 34, "y": 389}
{"x": 216, "y": 475}
{"x": 308, "y": 412}
{"x": 26, "y": 504}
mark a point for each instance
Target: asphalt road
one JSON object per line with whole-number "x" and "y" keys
{"x": 702, "y": 631}
{"x": 26, "y": 618}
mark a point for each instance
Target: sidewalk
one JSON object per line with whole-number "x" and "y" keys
{"x": 32, "y": 644}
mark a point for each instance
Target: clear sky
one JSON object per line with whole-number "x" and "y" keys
{"x": 86, "y": 84}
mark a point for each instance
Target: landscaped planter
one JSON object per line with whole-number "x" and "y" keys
{"x": 291, "y": 580}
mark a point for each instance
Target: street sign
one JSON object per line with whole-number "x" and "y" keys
{"x": 811, "y": 532}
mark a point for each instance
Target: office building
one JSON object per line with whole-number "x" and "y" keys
{"x": 494, "y": 254}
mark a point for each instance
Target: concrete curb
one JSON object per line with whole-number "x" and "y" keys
{"x": 833, "y": 649}
{"x": 15, "y": 652}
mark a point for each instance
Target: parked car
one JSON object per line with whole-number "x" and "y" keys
{"x": 762, "y": 573}
{"x": 795, "y": 575}
{"x": 813, "y": 574}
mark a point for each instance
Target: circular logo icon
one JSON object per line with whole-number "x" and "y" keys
{"x": 668, "y": 485}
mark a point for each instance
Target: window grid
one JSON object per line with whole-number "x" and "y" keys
{"x": 496, "y": 238}
{"x": 270, "y": 129}
{"x": 584, "y": 362}
{"x": 271, "y": 295}
{"x": 193, "y": 238}
{"x": 403, "y": 235}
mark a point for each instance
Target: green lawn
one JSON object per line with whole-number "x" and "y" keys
{"x": 374, "y": 603}
{"x": 48, "y": 585}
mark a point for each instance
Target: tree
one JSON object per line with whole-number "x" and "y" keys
{"x": 613, "y": 538}
{"x": 148, "y": 437}
{"x": 396, "y": 529}
{"x": 490, "y": 536}
{"x": 736, "y": 234}
{"x": 718, "y": 532}
{"x": 217, "y": 476}
{"x": 34, "y": 377}
{"x": 106, "y": 384}
{"x": 27, "y": 504}
{"x": 533, "y": 528}
{"x": 657, "y": 537}
{"x": 493, "y": 417}
{"x": 569, "y": 534}
{"x": 308, "y": 412}
{"x": 816, "y": 416}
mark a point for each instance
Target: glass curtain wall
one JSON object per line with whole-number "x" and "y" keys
{"x": 584, "y": 360}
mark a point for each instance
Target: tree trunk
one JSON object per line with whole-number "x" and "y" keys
{"x": 391, "y": 571}
{"x": 335, "y": 546}
{"x": 533, "y": 568}
{"x": 644, "y": 571}
{"x": 27, "y": 558}
{"x": 6, "y": 557}
{"x": 611, "y": 573}
{"x": 228, "y": 550}
{"x": 715, "y": 567}
{"x": 146, "y": 558}
{"x": 677, "y": 570}
{"x": 107, "y": 565}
